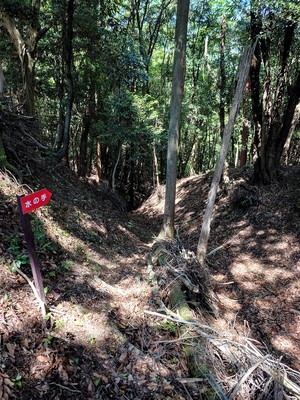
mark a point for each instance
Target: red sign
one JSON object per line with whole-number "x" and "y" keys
{"x": 35, "y": 200}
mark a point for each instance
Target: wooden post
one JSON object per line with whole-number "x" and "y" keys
{"x": 34, "y": 262}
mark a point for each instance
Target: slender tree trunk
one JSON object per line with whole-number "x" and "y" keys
{"x": 286, "y": 149}
{"x": 223, "y": 89}
{"x": 155, "y": 169}
{"x": 27, "y": 60}
{"x": 246, "y": 125}
{"x": 256, "y": 28}
{"x": 98, "y": 161}
{"x": 68, "y": 43}
{"x": 113, "y": 178}
{"x": 242, "y": 77}
{"x": 25, "y": 42}
{"x": 245, "y": 135}
{"x": 2, "y": 81}
{"x": 222, "y": 75}
{"x": 131, "y": 176}
{"x": 175, "y": 115}
{"x": 61, "y": 110}
{"x": 83, "y": 149}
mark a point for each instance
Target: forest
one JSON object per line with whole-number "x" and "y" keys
{"x": 168, "y": 132}
{"x": 98, "y": 76}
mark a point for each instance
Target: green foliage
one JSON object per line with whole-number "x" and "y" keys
{"x": 42, "y": 242}
{"x": 21, "y": 259}
{"x": 18, "y": 381}
{"x": 66, "y": 265}
{"x": 48, "y": 340}
{"x": 122, "y": 72}
{"x": 59, "y": 323}
{"x": 168, "y": 326}
{"x": 15, "y": 249}
{"x": 14, "y": 245}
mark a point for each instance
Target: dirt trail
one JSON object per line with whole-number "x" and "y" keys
{"x": 99, "y": 343}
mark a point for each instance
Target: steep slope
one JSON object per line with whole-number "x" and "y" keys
{"x": 93, "y": 265}
{"x": 254, "y": 252}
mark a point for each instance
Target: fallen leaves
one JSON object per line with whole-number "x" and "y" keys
{"x": 6, "y": 386}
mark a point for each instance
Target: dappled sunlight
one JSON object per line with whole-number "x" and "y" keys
{"x": 87, "y": 323}
{"x": 249, "y": 272}
{"x": 99, "y": 289}
{"x": 230, "y": 308}
{"x": 247, "y": 268}
{"x": 278, "y": 274}
{"x": 284, "y": 344}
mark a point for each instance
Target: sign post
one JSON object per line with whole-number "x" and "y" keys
{"x": 27, "y": 204}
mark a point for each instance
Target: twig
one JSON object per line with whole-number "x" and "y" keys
{"x": 65, "y": 387}
{"x": 40, "y": 301}
{"x": 180, "y": 339}
{"x": 216, "y": 387}
{"x": 187, "y": 392}
{"x": 216, "y": 249}
{"x": 190, "y": 380}
{"x": 245, "y": 377}
{"x": 181, "y": 321}
{"x": 40, "y": 145}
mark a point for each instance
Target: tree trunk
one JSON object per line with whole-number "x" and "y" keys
{"x": 286, "y": 149}
{"x": 98, "y": 161}
{"x": 27, "y": 60}
{"x": 241, "y": 81}
{"x": 26, "y": 47}
{"x": 273, "y": 110}
{"x": 2, "y": 80}
{"x": 175, "y": 114}
{"x": 83, "y": 150}
{"x": 113, "y": 178}
{"x": 155, "y": 168}
{"x": 245, "y": 135}
{"x": 68, "y": 43}
{"x": 222, "y": 76}
{"x": 246, "y": 125}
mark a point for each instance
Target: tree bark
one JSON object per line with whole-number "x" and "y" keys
{"x": 222, "y": 75}
{"x": 113, "y": 178}
{"x": 273, "y": 110}
{"x": 68, "y": 43}
{"x": 98, "y": 164}
{"x": 241, "y": 82}
{"x": 287, "y": 145}
{"x": 27, "y": 60}
{"x": 175, "y": 114}
{"x": 2, "y": 81}
{"x": 26, "y": 50}
{"x": 83, "y": 149}
{"x": 246, "y": 125}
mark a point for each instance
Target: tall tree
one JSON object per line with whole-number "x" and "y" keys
{"x": 25, "y": 39}
{"x": 243, "y": 73}
{"x": 68, "y": 58}
{"x": 222, "y": 74}
{"x": 274, "y": 99}
{"x": 175, "y": 114}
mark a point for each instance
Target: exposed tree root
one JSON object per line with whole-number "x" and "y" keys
{"x": 231, "y": 364}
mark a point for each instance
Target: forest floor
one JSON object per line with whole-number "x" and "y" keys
{"x": 99, "y": 341}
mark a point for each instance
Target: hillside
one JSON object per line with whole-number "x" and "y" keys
{"x": 98, "y": 342}
{"x": 255, "y": 252}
